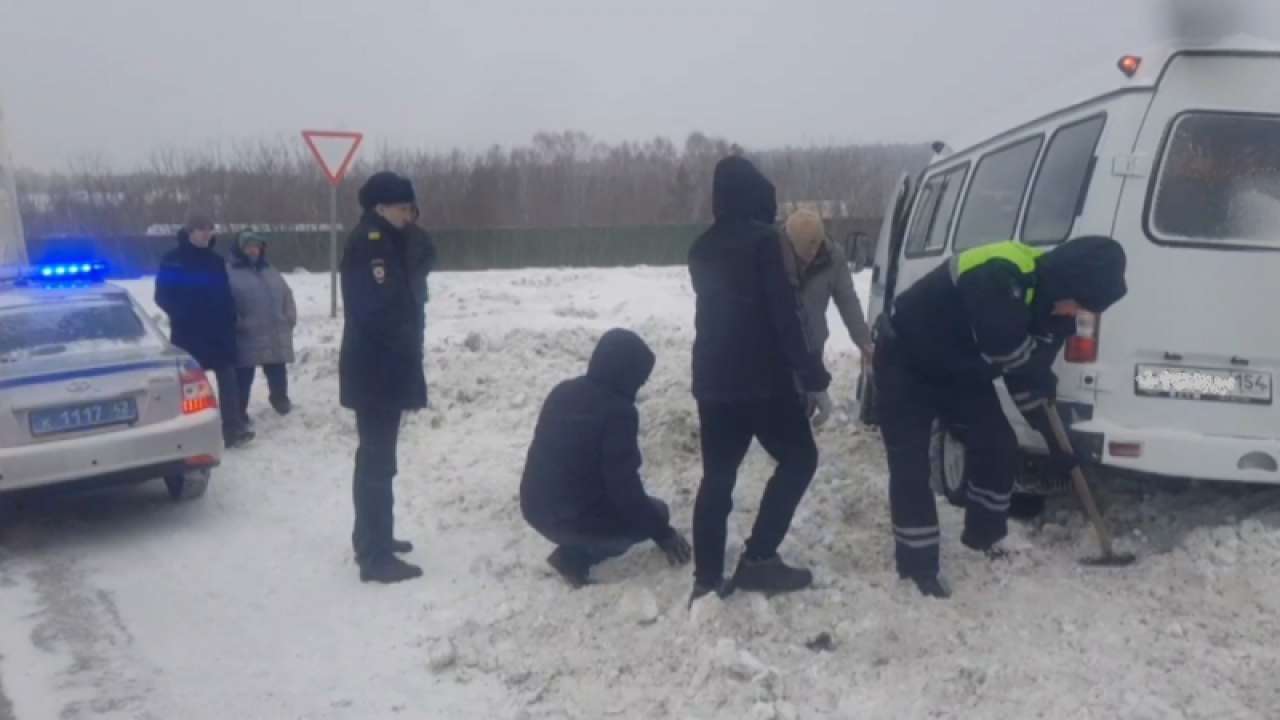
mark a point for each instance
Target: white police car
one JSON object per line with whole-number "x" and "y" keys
{"x": 91, "y": 393}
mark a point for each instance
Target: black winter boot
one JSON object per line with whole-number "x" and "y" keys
{"x": 388, "y": 570}
{"x": 281, "y": 405}
{"x": 401, "y": 547}
{"x": 770, "y": 576}
{"x": 572, "y": 571}
{"x": 933, "y": 586}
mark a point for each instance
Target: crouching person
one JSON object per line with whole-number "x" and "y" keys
{"x": 581, "y": 487}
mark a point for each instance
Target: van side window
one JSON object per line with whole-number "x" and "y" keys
{"x": 1219, "y": 182}
{"x": 1061, "y": 184}
{"x": 995, "y": 196}
{"x": 936, "y": 213}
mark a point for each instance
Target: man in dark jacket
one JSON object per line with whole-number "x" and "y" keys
{"x": 581, "y": 487}
{"x": 193, "y": 290}
{"x": 380, "y": 366}
{"x": 754, "y": 376}
{"x": 997, "y": 310}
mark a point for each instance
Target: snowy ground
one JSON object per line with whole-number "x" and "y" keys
{"x": 246, "y": 604}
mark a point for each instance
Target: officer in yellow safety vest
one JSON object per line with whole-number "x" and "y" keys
{"x": 1003, "y": 309}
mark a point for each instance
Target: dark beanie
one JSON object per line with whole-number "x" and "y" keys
{"x": 1089, "y": 270}
{"x": 198, "y": 221}
{"x": 386, "y": 188}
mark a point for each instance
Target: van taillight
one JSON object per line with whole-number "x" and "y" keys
{"x": 197, "y": 393}
{"x": 1083, "y": 346}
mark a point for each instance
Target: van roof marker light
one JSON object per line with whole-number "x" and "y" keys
{"x": 1129, "y": 65}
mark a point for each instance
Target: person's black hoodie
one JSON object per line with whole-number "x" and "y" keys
{"x": 750, "y": 344}
{"x": 582, "y": 473}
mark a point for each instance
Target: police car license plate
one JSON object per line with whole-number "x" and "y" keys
{"x": 83, "y": 417}
{"x": 1237, "y": 386}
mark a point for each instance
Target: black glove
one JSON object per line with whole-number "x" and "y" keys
{"x": 675, "y": 547}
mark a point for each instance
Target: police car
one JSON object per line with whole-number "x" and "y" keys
{"x": 91, "y": 392}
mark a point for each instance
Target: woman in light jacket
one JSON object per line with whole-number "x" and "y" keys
{"x": 822, "y": 273}
{"x": 265, "y": 318}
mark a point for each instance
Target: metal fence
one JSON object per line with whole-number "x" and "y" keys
{"x": 459, "y": 250}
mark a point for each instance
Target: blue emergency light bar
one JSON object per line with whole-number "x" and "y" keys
{"x": 75, "y": 272}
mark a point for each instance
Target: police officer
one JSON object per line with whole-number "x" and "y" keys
{"x": 380, "y": 366}
{"x": 997, "y": 310}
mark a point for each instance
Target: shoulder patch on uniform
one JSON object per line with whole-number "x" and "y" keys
{"x": 375, "y": 235}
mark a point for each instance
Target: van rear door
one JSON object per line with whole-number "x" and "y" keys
{"x": 884, "y": 276}
{"x": 1195, "y": 346}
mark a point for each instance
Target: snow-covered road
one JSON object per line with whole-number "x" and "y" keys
{"x": 245, "y": 604}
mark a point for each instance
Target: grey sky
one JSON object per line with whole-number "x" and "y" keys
{"x": 124, "y": 77}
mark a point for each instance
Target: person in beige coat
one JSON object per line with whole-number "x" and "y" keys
{"x": 822, "y": 275}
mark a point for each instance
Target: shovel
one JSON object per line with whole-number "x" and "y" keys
{"x": 1109, "y": 558}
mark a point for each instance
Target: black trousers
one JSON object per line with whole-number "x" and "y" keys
{"x": 908, "y": 403}
{"x": 585, "y": 547}
{"x": 277, "y": 383}
{"x": 783, "y": 429}
{"x": 233, "y": 418}
{"x": 371, "y": 491}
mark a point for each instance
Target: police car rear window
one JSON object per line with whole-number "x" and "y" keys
{"x": 52, "y": 328}
{"x": 1219, "y": 181}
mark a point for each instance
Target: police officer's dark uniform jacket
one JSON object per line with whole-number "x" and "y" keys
{"x": 380, "y": 365}
{"x": 983, "y": 314}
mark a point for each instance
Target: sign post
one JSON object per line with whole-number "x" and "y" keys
{"x": 334, "y": 151}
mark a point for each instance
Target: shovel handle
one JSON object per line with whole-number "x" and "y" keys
{"x": 1079, "y": 481}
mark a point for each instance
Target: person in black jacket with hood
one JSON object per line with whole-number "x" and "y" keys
{"x": 380, "y": 366}
{"x": 193, "y": 290}
{"x": 754, "y": 377}
{"x": 999, "y": 310}
{"x": 581, "y": 487}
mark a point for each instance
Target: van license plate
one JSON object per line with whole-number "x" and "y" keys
{"x": 1236, "y": 386}
{"x": 83, "y": 417}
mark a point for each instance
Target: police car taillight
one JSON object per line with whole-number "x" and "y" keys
{"x": 197, "y": 393}
{"x": 1083, "y": 346}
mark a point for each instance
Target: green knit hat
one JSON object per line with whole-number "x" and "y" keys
{"x": 251, "y": 238}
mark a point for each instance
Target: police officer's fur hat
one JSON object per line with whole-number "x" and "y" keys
{"x": 386, "y": 188}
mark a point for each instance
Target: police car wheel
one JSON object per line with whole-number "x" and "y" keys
{"x": 946, "y": 464}
{"x": 187, "y": 486}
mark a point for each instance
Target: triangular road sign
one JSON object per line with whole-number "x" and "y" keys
{"x": 333, "y": 150}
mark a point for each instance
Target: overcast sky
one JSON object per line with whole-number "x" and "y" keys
{"x": 124, "y": 77}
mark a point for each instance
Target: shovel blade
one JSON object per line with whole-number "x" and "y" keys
{"x": 1114, "y": 560}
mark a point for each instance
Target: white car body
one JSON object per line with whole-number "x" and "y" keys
{"x": 98, "y": 410}
{"x": 1181, "y": 381}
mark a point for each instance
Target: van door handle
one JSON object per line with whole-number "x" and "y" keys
{"x": 1239, "y": 361}
{"x": 1173, "y": 357}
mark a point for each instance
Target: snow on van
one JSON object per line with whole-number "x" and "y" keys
{"x": 1178, "y": 160}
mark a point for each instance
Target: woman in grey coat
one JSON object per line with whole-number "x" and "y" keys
{"x": 265, "y": 318}
{"x": 822, "y": 273}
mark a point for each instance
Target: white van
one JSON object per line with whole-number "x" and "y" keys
{"x": 1180, "y": 162}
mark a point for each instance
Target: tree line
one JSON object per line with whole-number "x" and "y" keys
{"x": 564, "y": 179}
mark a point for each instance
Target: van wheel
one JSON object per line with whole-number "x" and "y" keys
{"x": 946, "y": 465}
{"x": 188, "y": 485}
